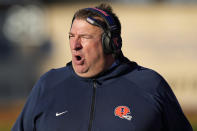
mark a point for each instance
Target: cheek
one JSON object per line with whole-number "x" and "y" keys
{"x": 94, "y": 51}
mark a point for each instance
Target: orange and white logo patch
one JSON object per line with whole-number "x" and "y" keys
{"x": 123, "y": 112}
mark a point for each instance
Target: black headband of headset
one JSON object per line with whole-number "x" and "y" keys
{"x": 108, "y": 19}
{"x": 96, "y": 22}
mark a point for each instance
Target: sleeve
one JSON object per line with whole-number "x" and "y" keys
{"x": 25, "y": 121}
{"x": 173, "y": 116}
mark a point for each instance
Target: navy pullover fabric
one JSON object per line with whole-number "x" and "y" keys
{"x": 127, "y": 97}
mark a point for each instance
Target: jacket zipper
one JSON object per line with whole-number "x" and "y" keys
{"x": 92, "y": 106}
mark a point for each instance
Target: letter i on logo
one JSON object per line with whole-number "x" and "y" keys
{"x": 122, "y": 111}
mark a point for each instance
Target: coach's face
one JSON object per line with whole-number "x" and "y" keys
{"x": 88, "y": 58}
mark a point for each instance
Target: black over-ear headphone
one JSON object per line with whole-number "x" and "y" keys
{"x": 111, "y": 39}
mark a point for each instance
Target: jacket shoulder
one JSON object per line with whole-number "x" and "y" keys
{"x": 56, "y": 74}
{"x": 147, "y": 79}
{"x": 53, "y": 77}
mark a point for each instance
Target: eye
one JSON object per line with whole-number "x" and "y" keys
{"x": 86, "y": 36}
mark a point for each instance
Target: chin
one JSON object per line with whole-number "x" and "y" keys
{"x": 85, "y": 73}
{"x": 81, "y": 71}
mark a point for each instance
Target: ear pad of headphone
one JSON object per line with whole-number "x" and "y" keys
{"x": 111, "y": 45}
{"x": 106, "y": 42}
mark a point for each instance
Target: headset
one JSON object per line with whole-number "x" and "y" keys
{"x": 111, "y": 39}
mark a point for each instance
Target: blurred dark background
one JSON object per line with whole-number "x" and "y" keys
{"x": 33, "y": 39}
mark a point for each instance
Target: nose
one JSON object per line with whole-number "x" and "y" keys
{"x": 76, "y": 44}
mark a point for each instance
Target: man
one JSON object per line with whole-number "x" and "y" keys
{"x": 100, "y": 90}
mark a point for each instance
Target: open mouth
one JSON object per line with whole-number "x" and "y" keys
{"x": 78, "y": 58}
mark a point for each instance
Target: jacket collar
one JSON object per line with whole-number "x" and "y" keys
{"x": 122, "y": 67}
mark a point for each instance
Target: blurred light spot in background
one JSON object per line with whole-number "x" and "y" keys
{"x": 25, "y": 25}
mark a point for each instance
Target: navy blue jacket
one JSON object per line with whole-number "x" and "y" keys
{"x": 127, "y": 97}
